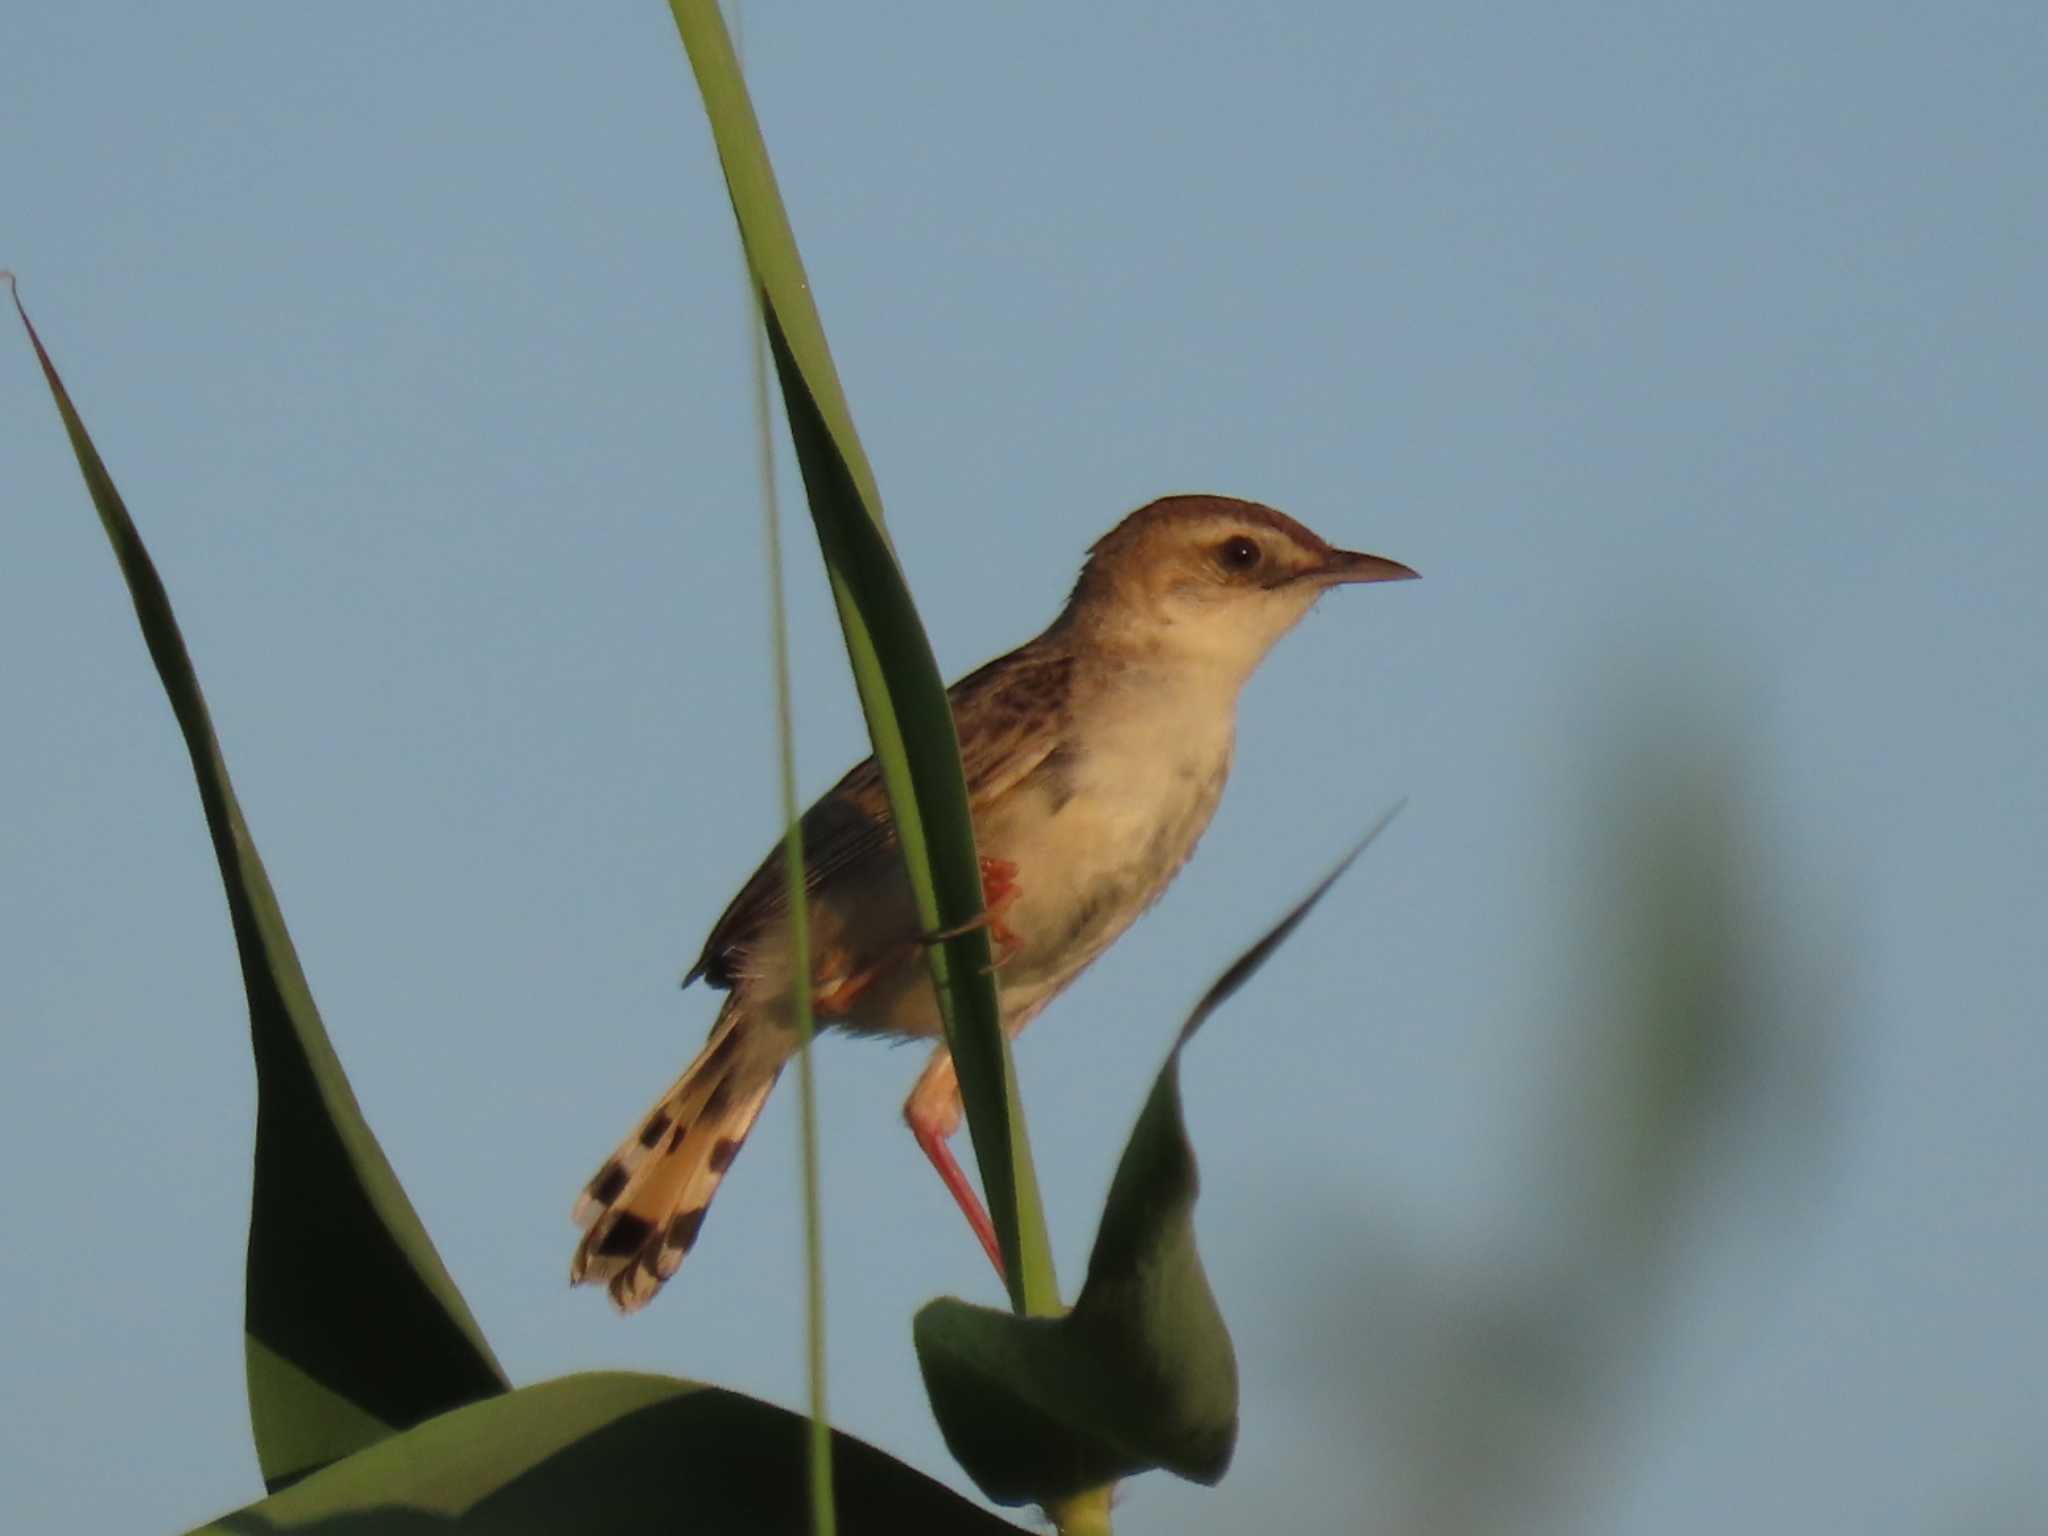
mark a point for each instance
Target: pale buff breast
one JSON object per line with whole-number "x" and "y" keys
{"x": 1096, "y": 833}
{"x": 1099, "y": 832}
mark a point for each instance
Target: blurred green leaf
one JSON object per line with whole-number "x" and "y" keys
{"x": 354, "y": 1327}
{"x": 901, "y": 690}
{"x": 605, "y": 1452}
{"x": 1141, "y": 1373}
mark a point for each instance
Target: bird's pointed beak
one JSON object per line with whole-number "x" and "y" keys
{"x": 1345, "y": 565}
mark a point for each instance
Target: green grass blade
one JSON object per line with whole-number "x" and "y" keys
{"x": 355, "y": 1328}
{"x": 1141, "y": 1374}
{"x": 901, "y": 691}
{"x": 609, "y": 1454}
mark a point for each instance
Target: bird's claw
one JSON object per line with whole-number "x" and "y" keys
{"x": 998, "y": 890}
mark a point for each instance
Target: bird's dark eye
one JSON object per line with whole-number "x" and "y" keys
{"x": 1238, "y": 553}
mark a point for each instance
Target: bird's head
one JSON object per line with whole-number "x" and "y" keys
{"x": 1210, "y": 581}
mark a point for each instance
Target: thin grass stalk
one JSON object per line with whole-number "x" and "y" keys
{"x": 824, "y": 1520}
{"x": 824, "y": 1513}
{"x": 824, "y": 1516}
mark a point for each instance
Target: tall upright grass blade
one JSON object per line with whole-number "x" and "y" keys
{"x": 1141, "y": 1374}
{"x": 354, "y": 1327}
{"x": 901, "y": 691}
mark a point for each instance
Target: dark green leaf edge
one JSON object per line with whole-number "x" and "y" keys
{"x": 902, "y": 693}
{"x": 1141, "y": 1374}
{"x": 355, "y": 1327}
{"x": 608, "y": 1452}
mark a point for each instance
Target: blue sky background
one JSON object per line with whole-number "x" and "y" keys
{"x": 1694, "y": 354}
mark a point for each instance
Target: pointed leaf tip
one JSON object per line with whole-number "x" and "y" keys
{"x": 1142, "y": 1373}
{"x": 355, "y": 1327}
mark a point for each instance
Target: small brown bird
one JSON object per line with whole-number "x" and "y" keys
{"x": 1095, "y": 755}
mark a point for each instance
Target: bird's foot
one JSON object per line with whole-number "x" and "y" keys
{"x": 999, "y": 889}
{"x": 838, "y": 989}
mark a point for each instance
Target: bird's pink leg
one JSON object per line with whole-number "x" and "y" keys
{"x": 954, "y": 1177}
{"x": 933, "y": 1114}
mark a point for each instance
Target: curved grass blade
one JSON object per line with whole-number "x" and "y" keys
{"x": 355, "y": 1328}
{"x": 901, "y": 691}
{"x": 609, "y": 1454}
{"x": 1141, "y": 1374}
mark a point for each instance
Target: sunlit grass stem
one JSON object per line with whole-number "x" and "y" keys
{"x": 824, "y": 1517}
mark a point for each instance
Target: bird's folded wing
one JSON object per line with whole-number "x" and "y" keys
{"x": 1010, "y": 716}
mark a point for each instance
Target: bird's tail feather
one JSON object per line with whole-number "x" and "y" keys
{"x": 641, "y": 1212}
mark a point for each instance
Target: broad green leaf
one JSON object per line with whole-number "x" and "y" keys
{"x": 1141, "y": 1373}
{"x": 354, "y": 1327}
{"x": 901, "y": 691}
{"x": 609, "y": 1452}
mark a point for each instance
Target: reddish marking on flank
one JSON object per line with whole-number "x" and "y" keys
{"x": 999, "y": 889}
